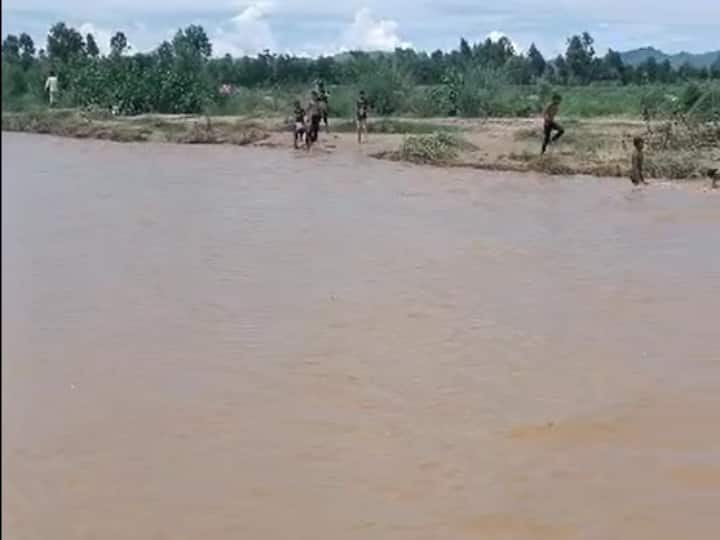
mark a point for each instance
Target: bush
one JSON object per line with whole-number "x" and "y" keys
{"x": 691, "y": 94}
{"x": 707, "y": 107}
{"x": 475, "y": 91}
{"x": 427, "y": 102}
{"x": 437, "y": 147}
{"x": 386, "y": 88}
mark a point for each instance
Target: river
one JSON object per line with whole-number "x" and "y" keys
{"x": 225, "y": 343}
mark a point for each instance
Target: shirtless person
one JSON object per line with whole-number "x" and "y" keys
{"x": 361, "y": 114}
{"x": 549, "y": 124}
{"x": 636, "y": 173}
{"x": 300, "y": 128}
{"x": 323, "y": 97}
{"x": 314, "y": 115}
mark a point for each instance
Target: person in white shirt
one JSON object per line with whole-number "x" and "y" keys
{"x": 51, "y": 87}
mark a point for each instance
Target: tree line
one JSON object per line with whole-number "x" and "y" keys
{"x": 181, "y": 76}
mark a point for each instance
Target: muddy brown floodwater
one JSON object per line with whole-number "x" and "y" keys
{"x": 224, "y": 343}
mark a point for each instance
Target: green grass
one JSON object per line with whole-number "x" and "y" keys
{"x": 77, "y": 124}
{"x": 508, "y": 101}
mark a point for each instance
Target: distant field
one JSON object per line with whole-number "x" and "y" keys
{"x": 508, "y": 101}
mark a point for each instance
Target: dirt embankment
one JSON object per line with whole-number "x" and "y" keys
{"x": 592, "y": 147}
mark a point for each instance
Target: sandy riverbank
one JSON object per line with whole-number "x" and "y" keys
{"x": 599, "y": 147}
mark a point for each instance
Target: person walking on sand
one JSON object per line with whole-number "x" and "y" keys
{"x": 714, "y": 177}
{"x": 636, "y": 173}
{"x": 549, "y": 123}
{"x": 361, "y": 115}
{"x": 51, "y": 87}
{"x": 313, "y": 115}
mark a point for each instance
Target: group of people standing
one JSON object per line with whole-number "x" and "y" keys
{"x": 309, "y": 119}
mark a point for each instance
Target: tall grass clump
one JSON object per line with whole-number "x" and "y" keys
{"x": 439, "y": 147}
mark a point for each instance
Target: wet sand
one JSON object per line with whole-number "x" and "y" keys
{"x": 220, "y": 342}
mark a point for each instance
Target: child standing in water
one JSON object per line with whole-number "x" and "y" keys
{"x": 549, "y": 124}
{"x": 300, "y": 128}
{"x": 361, "y": 114}
{"x": 636, "y": 173}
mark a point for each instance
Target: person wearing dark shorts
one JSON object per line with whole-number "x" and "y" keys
{"x": 637, "y": 173}
{"x": 323, "y": 98}
{"x": 313, "y": 112}
{"x": 300, "y": 128}
{"x": 549, "y": 124}
{"x": 361, "y": 115}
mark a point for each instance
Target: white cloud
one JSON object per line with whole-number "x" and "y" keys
{"x": 248, "y": 32}
{"x": 321, "y": 26}
{"x": 102, "y": 35}
{"x": 368, "y": 33}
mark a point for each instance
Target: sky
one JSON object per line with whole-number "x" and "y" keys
{"x": 314, "y": 27}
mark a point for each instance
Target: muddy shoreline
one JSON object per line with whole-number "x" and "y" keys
{"x": 598, "y": 147}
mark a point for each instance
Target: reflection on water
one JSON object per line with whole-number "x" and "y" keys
{"x": 213, "y": 342}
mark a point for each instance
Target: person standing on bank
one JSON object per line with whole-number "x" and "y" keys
{"x": 51, "y": 87}
{"x": 549, "y": 123}
{"x": 361, "y": 116}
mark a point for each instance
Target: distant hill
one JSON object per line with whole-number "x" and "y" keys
{"x": 638, "y": 56}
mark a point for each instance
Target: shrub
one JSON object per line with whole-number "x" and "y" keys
{"x": 691, "y": 94}
{"x": 386, "y": 88}
{"x": 437, "y": 147}
{"x": 474, "y": 91}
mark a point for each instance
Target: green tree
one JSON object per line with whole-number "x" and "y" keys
{"x": 715, "y": 68}
{"x": 665, "y": 72}
{"x": 687, "y": 71}
{"x": 27, "y": 50}
{"x": 118, "y": 44}
{"x": 650, "y": 67}
{"x": 11, "y": 48}
{"x": 579, "y": 56}
{"x": 465, "y": 50}
{"x": 192, "y": 42}
{"x": 562, "y": 72}
{"x": 613, "y": 67}
{"x": 499, "y": 52}
{"x": 165, "y": 53}
{"x": 91, "y": 46}
{"x": 519, "y": 70}
{"x": 536, "y": 61}
{"x": 64, "y": 43}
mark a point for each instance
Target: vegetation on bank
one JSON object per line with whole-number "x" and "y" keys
{"x": 103, "y": 126}
{"x": 436, "y": 148}
{"x": 110, "y": 97}
{"x": 486, "y": 79}
{"x": 589, "y": 149}
{"x": 677, "y": 149}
